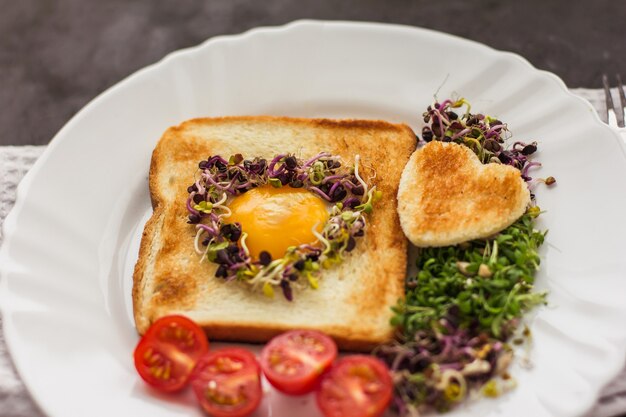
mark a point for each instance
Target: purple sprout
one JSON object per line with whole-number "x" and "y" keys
{"x": 471, "y": 357}
{"x": 220, "y": 179}
{"x": 483, "y": 134}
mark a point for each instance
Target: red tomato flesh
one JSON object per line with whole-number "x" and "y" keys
{"x": 167, "y": 353}
{"x": 294, "y": 361}
{"x": 356, "y": 386}
{"x": 227, "y": 383}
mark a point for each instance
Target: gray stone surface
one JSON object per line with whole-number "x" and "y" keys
{"x": 57, "y": 55}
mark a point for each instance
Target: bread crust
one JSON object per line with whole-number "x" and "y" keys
{"x": 354, "y": 299}
{"x": 447, "y": 196}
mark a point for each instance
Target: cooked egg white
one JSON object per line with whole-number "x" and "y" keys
{"x": 277, "y": 218}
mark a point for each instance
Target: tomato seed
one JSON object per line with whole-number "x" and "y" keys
{"x": 371, "y": 388}
{"x": 228, "y": 365}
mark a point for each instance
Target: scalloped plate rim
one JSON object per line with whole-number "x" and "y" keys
{"x": 9, "y": 225}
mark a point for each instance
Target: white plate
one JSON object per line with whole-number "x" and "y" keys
{"x": 71, "y": 240}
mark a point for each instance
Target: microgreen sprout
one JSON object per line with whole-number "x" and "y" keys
{"x": 466, "y": 301}
{"x": 218, "y": 181}
{"x": 458, "y": 313}
{"x": 483, "y": 134}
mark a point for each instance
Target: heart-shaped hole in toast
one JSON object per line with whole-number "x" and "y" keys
{"x": 447, "y": 196}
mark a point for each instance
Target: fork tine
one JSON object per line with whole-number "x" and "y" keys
{"x": 622, "y": 102}
{"x": 610, "y": 110}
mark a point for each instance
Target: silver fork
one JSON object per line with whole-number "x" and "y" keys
{"x": 614, "y": 114}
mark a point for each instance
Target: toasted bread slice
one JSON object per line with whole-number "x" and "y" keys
{"x": 447, "y": 196}
{"x": 354, "y": 298}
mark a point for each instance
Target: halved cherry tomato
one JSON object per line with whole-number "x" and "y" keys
{"x": 227, "y": 383}
{"x": 356, "y": 386}
{"x": 167, "y": 353}
{"x": 294, "y": 361}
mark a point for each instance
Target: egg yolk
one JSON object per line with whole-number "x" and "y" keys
{"x": 277, "y": 218}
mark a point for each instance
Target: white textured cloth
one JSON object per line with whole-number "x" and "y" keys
{"x": 15, "y": 400}
{"x": 15, "y": 161}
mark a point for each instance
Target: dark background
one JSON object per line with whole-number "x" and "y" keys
{"x": 55, "y": 56}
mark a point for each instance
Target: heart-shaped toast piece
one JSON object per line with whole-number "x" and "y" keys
{"x": 447, "y": 196}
